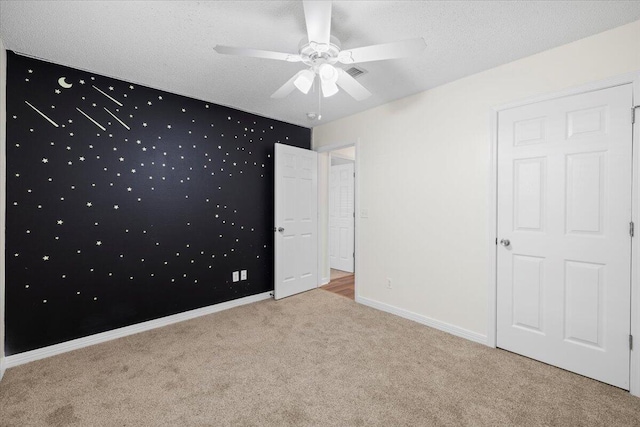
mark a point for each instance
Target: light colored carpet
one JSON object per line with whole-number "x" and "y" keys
{"x": 312, "y": 359}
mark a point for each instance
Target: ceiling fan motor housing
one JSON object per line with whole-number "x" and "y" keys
{"x": 315, "y": 54}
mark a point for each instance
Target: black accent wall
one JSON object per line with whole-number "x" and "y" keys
{"x": 126, "y": 203}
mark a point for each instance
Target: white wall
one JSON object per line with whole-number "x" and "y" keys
{"x": 424, "y": 163}
{"x": 345, "y": 153}
{"x": 337, "y": 161}
{"x": 3, "y": 193}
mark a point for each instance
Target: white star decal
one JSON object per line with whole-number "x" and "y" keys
{"x": 57, "y": 91}
{"x": 130, "y": 86}
{"x": 116, "y": 207}
{"x": 160, "y": 98}
{"x": 98, "y": 243}
{"x": 30, "y": 71}
{"x": 81, "y": 82}
{"x": 89, "y": 204}
{"x": 121, "y": 159}
{"x": 45, "y": 160}
{"x": 144, "y": 125}
{"x": 45, "y": 258}
{"x": 129, "y": 189}
{"x": 133, "y": 171}
{"x": 81, "y": 159}
{"x": 168, "y": 126}
{"x": 110, "y": 87}
{"x": 60, "y": 222}
{"x": 149, "y": 103}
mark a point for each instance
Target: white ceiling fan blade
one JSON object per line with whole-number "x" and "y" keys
{"x": 257, "y": 53}
{"x": 351, "y": 86}
{"x": 379, "y": 52}
{"x": 287, "y": 88}
{"x": 317, "y": 15}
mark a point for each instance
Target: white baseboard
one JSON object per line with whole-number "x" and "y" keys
{"x": 436, "y": 324}
{"x": 324, "y": 281}
{"x": 41, "y": 353}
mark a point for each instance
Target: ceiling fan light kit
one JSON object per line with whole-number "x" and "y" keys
{"x": 304, "y": 81}
{"x": 320, "y": 51}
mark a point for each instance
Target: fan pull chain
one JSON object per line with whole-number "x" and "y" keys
{"x": 319, "y": 102}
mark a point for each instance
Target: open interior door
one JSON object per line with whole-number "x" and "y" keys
{"x": 341, "y": 217}
{"x": 296, "y": 217}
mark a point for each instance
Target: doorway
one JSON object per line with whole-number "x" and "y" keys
{"x": 339, "y": 206}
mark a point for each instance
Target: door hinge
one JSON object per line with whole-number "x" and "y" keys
{"x": 630, "y": 342}
{"x": 632, "y": 228}
{"x": 496, "y": 240}
{"x": 633, "y": 113}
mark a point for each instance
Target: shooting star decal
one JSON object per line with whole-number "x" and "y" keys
{"x": 42, "y": 114}
{"x": 117, "y": 102}
{"x": 114, "y": 116}
{"x": 94, "y": 122}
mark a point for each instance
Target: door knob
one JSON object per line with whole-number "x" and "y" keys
{"x": 505, "y": 242}
{"x": 280, "y": 229}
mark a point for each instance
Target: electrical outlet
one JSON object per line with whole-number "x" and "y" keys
{"x": 236, "y": 276}
{"x": 243, "y": 275}
{"x": 389, "y": 283}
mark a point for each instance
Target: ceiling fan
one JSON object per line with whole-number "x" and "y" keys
{"x": 320, "y": 52}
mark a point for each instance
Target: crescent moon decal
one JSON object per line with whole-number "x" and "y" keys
{"x": 64, "y": 84}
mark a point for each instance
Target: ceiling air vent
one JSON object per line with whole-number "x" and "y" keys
{"x": 356, "y": 72}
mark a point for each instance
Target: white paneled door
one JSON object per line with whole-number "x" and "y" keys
{"x": 296, "y": 217}
{"x": 341, "y": 217}
{"x": 564, "y": 242}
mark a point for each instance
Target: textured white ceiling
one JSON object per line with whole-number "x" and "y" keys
{"x": 168, "y": 44}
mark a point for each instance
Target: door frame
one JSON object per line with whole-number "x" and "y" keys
{"x": 356, "y": 195}
{"x": 492, "y": 209}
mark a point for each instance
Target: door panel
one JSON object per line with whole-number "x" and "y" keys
{"x": 529, "y": 193}
{"x": 296, "y": 212}
{"x": 585, "y": 294}
{"x": 564, "y": 203}
{"x": 527, "y": 292}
